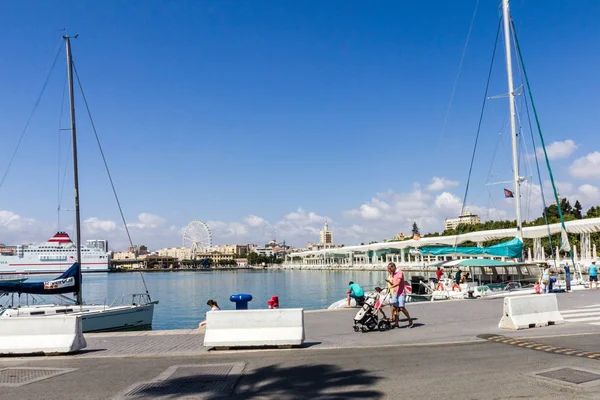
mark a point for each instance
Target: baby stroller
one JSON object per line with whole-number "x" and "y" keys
{"x": 366, "y": 319}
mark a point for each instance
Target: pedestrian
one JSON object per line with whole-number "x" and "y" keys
{"x": 593, "y": 271}
{"x": 457, "y": 276}
{"x": 465, "y": 278}
{"x": 355, "y": 292}
{"x": 546, "y": 278}
{"x": 397, "y": 285}
{"x": 213, "y": 307}
{"x": 568, "y": 277}
{"x": 439, "y": 274}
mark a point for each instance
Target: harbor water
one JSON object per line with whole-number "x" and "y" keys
{"x": 182, "y": 295}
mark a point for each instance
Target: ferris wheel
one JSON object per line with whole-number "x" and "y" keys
{"x": 197, "y": 236}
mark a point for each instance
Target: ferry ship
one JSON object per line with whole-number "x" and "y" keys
{"x": 54, "y": 256}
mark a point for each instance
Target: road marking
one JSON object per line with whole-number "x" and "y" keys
{"x": 542, "y": 347}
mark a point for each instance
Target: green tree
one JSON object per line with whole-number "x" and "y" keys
{"x": 253, "y": 258}
{"x": 415, "y": 229}
{"x": 577, "y": 210}
{"x": 593, "y": 212}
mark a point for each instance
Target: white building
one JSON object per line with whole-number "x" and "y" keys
{"x": 467, "y": 218}
{"x": 100, "y": 244}
{"x": 326, "y": 236}
{"x": 181, "y": 253}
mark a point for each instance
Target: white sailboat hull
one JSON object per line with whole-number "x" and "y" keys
{"x": 118, "y": 318}
{"x": 95, "y": 318}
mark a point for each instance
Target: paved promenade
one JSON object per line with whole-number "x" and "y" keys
{"x": 445, "y": 355}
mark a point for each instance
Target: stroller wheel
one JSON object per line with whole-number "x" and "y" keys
{"x": 356, "y": 329}
{"x": 384, "y": 325}
{"x": 364, "y": 329}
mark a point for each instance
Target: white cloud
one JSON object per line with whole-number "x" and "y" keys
{"x": 147, "y": 221}
{"x": 448, "y": 201}
{"x": 591, "y": 193}
{"x": 438, "y": 184}
{"x": 12, "y": 222}
{"x": 369, "y": 212}
{"x": 95, "y": 226}
{"x": 253, "y": 220}
{"x": 558, "y": 150}
{"x": 586, "y": 167}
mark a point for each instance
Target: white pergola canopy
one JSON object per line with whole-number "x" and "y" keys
{"x": 531, "y": 232}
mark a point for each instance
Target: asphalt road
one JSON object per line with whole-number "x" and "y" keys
{"x": 444, "y": 356}
{"x": 482, "y": 370}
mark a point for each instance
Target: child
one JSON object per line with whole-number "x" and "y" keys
{"x": 213, "y": 307}
{"x": 380, "y": 298}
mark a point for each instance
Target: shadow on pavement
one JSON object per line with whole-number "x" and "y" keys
{"x": 316, "y": 381}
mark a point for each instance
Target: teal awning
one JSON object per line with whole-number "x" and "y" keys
{"x": 511, "y": 249}
{"x": 484, "y": 262}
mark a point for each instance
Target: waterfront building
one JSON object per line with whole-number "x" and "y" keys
{"x": 326, "y": 236}
{"x": 216, "y": 257}
{"x": 467, "y": 218}
{"x": 100, "y": 244}
{"x": 138, "y": 249}
{"x": 235, "y": 249}
{"x": 264, "y": 251}
{"x": 181, "y": 253}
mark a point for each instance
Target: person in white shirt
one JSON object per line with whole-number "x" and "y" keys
{"x": 213, "y": 307}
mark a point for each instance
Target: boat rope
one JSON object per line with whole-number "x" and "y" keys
{"x": 460, "y": 65}
{"x": 61, "y": 182}
{"x": 112, "y": 184}
{"x": 487, "y": 86}
{"x": 28, "y": 123}
{"x": 537, "y": 164}
{"x": 539, "y": 129}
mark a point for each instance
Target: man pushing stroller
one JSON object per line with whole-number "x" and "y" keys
{"x": 396, "y": 284}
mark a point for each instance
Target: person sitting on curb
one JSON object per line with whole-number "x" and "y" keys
{"x": 213, "y": 307}
{"x": 355, "y": 292}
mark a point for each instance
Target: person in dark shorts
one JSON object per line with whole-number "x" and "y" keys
{"x": 355, "y": 292}
{"x": 593, "y": 271}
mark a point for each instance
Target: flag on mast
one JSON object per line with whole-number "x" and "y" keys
{"x": 508, "y": 193}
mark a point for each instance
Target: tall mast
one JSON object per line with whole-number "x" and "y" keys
{"x": 75, "y": 169}
{"x": 513, "y": 125}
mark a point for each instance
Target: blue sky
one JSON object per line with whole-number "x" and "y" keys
{"x": 266, "y": 118}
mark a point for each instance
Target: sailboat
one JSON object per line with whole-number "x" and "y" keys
{"x": 95, "y": 318}
{"x": 517, "y": 242}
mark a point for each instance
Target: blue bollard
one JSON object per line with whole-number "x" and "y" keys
{"x": 240, "y": 300}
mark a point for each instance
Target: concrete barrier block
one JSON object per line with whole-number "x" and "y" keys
{"x": 43, "y": 334}
{"x": 252, "y": 328}
{"x": 523, "y": 312}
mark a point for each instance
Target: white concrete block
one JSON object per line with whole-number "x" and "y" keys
{"x": 523, "y": 312}
{"x": 236, "y": 328}
{"x": 43, "y": 334}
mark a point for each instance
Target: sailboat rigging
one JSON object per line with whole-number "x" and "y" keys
{"x": 67, "y": 39}
{"x": 95, "y": 318}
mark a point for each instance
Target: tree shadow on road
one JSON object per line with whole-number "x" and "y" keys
{"x": 314, "y": 381}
